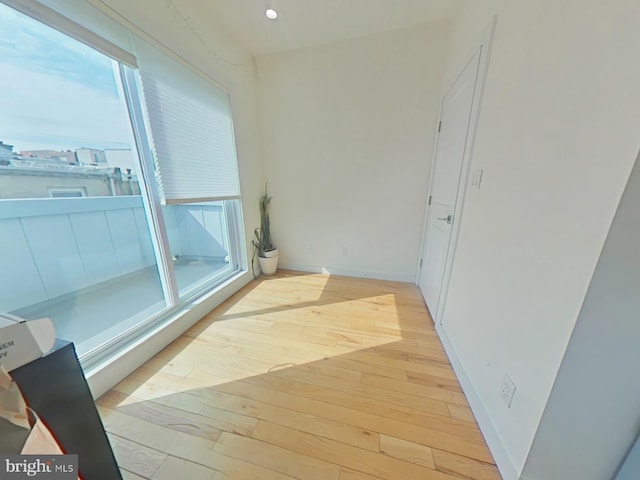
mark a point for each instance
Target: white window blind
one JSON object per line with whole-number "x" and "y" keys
{"x": 191, "y": 129}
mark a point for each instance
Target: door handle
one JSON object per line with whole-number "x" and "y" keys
{"x": 448, "y": 219}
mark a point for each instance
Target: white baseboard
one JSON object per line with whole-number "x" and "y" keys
{"x": 103, "y": 376}
{"x": 494, "y": 442}
{"x": 349, "y": 273}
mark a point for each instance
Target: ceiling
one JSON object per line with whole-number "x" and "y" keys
{"x": 305, "y": 23}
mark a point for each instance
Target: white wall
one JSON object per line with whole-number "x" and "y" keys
{"x": 592, "y": 417}
{"x": 557, "y": 137}
{"x": 347, "y": 131}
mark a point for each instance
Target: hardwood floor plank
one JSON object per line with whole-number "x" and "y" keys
{"x": 142, "y": 389}
{"x": 276, "y": 458}
{"x": 372, "y": 463}
{"x": 250, "y": 472}
{"x": 233, "y": 469}
{"x": 362, "y": 367}
{"x": 436, "y": 353}
{"x": 174, "y": 368}
{"x": 410, "y": 425}
{"x": 433, "y": 381}
{"x": 373, "y": 358}
{"x": 300, "y": 377}
{"x": 174, "y": 419}
{"x": 156, "y": 437}
{"x": 292, "y": 418}
{"x": 434, "y": 393}
{"x": 426, "y": 436}
{"x": 363, "y": 391}
{"x": 127, "y": 475}
{"x": 305, "y": 352}
{"x": 407, "y": 451}
{"x": 330, "y": 371}
{"x": 349, "y": 398}
{"x": 136, "y": 458}
{"x": 411, "y": 357}
{"x": 346, "y": 474}
{"x": 114, "y": 398}
{"x": 345, "y": 337}
{"x": 179, "y": 445}
{"x": 173, "y": 468}
{"x": 461, "y": 412}
{"x": 464, "y": 467}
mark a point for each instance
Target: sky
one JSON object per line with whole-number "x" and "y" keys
{"x": 55, "y": 92}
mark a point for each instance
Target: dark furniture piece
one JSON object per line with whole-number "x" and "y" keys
{"x": 54, "y": 386}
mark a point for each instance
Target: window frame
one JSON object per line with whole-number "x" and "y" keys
{"x": 128, "y": 80}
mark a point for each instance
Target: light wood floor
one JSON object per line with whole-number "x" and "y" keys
{"x": 300, "y": 376}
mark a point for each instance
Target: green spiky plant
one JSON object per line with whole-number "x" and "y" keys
{"x": 263, "y": 241}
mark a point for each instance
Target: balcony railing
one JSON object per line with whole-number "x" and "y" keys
{"x": 52, "y": 247}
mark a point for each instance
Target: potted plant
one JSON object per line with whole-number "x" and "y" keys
{"x": 263, "y": 243}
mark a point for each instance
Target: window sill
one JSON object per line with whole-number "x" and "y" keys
{"x": 105, "y": 373}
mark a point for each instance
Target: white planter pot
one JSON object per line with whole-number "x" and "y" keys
{"x": 269, "y": 263}
{"x": 271, "y": 253}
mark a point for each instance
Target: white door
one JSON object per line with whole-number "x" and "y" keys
{"x": 445, "y": 182}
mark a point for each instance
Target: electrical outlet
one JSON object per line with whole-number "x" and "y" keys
{"x": 309, "y": 248}
{"x": 344, "y": 252}
{"x": 507, "y": 390}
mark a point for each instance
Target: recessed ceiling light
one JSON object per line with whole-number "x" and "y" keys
{"x": 271, "y": 14}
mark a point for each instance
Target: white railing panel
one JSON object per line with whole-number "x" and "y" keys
{"x": 144, "y": 237}
{"x": 200, "y": 230}
{"x": 55, "y": 251}
{"x": 124, "y": 235}
{"x": 93, "y": 237}
{"x": 20, "y": 282}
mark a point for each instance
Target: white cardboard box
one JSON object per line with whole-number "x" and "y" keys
{"x": 22, "y": 341}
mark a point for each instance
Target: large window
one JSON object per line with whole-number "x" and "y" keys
{"x": 88, "y": 233}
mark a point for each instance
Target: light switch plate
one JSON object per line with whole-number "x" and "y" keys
{"x": 476, "y": 178}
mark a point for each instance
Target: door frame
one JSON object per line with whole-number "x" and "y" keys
{"x": 484, "y": 49}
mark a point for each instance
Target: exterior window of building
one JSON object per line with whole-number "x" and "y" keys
{"x": 85, "y": 235}
{"x": 67, "y": 192}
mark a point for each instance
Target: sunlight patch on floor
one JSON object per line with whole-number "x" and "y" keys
{"x": 267, "y": 333}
